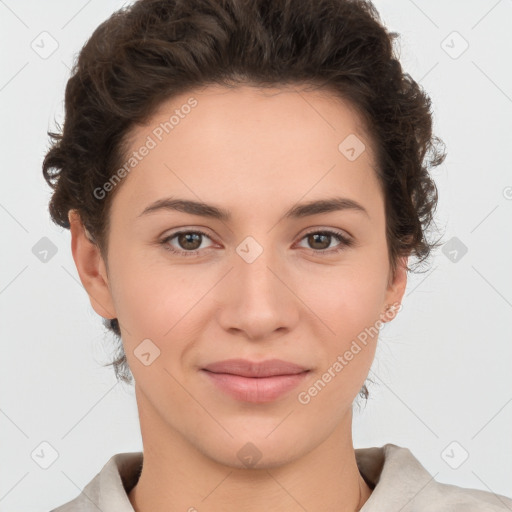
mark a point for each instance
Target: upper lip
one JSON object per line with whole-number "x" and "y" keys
{"x": 246, "y": 368}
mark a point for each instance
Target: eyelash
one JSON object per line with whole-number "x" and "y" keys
{"x": 344, "y": 242}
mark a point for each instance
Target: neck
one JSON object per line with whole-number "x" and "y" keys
{"x": 176, "y": 476}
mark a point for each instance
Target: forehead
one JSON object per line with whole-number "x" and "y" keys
{"x": 235, "y": 145}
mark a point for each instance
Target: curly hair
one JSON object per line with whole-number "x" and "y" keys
{"x": 153, "y": 50}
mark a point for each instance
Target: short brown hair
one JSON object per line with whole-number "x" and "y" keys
{"x": 154, "y": 50}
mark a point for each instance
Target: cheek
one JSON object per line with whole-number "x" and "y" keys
{"x": 349, "y": 303}
{"x": 349, "y": 296}
{"x": 151, "y": 294}
{"x": 352, "y": 315}
{"x": 355, "y": 324}
{"x": 160, "y": 302}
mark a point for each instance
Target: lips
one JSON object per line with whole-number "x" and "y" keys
{"x": 256, "y": 382}
{"x": 246, "y": 368}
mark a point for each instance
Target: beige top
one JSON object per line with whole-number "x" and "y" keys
{"x": 399, "y": 483}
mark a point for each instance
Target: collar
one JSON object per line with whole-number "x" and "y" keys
{"x": 398, "y": 481}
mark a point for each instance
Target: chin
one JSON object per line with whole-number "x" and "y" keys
{"x": 257, "y": 450}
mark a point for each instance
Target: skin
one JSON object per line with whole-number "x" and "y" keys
{"x": 255, "y": 153}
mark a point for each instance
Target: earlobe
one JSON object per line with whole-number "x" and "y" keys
{"x": 396, "y": 290}
{"x": 90, "y": 267}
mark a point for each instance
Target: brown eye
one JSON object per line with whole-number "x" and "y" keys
{"x": 188, "y": 242}
{"x": 320, "y": 241}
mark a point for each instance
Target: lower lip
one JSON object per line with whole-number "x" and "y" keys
{"x": 255, "y": 389}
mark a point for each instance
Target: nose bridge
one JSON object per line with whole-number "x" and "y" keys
{"x": 256, "y": 264}
{"x": 257, "y": 301}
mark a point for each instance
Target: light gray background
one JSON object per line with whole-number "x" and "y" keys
{"x": 443, "y": 365}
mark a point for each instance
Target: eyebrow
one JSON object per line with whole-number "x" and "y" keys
{"x": 298, "y": 211}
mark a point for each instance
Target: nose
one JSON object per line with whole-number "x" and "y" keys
{"x": 258, "y": 298}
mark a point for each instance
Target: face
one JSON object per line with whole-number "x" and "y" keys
{"x": 271, "y": 279}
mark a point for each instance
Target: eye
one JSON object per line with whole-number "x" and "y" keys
{"x": 188, "y": 240}
{"x": 321, "y": 240}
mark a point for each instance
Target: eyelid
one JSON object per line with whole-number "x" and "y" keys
{"x": 168, "y": 236}
{"x": 324, "y": 229}
{"x": 346, "y": 240}
{"x": 314, "y": 229}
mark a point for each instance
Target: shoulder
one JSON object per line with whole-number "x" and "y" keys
{"x": 461, "y": 499}
{"x": 108, "y": 490}
{"x": 400, "y": 481}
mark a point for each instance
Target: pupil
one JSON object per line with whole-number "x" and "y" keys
{"x": 187, "y": 238}
{"x": 315, "y": 239}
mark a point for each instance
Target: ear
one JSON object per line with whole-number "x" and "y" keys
{"x": 395, "y": 290}
{"x": 91, "y": 267}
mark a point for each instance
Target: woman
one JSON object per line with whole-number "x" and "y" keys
{"x": 244, "y": 183}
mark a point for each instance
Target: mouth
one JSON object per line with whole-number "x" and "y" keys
{"x": 246, "y": 368}
{"x": 255, "y": 382}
